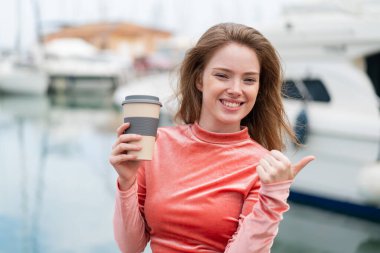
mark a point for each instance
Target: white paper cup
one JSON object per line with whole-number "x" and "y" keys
{"x": 142, "y": 112}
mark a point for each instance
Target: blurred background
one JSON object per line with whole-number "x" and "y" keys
{"x": 65, "y": 67}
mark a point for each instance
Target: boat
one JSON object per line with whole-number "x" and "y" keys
{"x": 332, "y": 103}
{"x": 74, "y": 63}
{"x": 21, "y": 72}
{"x": 334, "y": 111}
{"x": 18, "y": 77}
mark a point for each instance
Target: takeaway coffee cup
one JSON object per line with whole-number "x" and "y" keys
{"x": 142, "y": 112}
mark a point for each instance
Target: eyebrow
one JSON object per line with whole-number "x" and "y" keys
{"x": 230, "y": 71}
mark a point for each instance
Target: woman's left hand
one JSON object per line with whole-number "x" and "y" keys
{"x": 276, "y": 167}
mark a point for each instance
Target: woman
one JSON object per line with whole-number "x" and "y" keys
{"x": 212, "y": 185}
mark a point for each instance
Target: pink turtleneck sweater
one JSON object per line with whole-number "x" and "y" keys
{"x": 200, "y": 193}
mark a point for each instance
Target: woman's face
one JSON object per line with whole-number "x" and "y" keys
{"x": 229, "y": 86}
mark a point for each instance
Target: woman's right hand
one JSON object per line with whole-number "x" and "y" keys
{"x": 125, "y": 164}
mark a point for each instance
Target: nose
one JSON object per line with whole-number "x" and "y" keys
{"x": 235, "y": 88}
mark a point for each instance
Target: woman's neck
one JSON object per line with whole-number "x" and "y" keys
{"x": 219, "y": 128}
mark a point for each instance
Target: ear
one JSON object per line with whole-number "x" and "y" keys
{"x": 199, "y": 84}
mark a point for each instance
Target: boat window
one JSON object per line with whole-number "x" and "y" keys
{"x": 290, "y": 91}
{"x": 373, "y": 66}
{"x": 317, "y": 90}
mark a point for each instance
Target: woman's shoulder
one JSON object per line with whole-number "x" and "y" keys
{"x": 258, "y": 148}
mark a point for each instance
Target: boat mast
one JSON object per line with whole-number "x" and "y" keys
{"x": 18, "y": 27}
{"x": 37, "y": 16}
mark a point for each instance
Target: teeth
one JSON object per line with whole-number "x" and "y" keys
{"x": 230, "y": 104}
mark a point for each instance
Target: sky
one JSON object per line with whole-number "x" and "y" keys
{"x": 183, "y": 17}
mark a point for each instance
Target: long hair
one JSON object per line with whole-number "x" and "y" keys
{"x": 267, "y": 122}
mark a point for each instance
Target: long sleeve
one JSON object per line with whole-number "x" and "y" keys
{"x": 257, "y": 230}
{"x": 130, "y": 229}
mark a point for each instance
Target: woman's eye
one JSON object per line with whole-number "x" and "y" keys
{"x": 250, "y": 80}
{"x": 223, "y": 76}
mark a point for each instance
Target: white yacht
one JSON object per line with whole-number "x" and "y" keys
{"x": 21, "y": 72}
{"x": 22, "y": 77}
{"x": 74, "y": 63}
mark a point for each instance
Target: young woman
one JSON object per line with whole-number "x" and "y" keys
{"x": 213, "y": 185}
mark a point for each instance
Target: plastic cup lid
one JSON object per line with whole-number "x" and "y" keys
{"x": 142, "y": 99}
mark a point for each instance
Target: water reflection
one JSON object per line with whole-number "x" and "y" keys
{"x": 371, "y": 245}
{"x": 305, "y": 229}
{"x": 57, "y": 188}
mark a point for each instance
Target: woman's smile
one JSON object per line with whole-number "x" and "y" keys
{"x": 231, "y": 104}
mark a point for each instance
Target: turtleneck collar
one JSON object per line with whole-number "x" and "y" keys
{"x": 214, "y": 137}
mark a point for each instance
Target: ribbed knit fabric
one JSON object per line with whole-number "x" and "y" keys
{"x": 200, "y": 193}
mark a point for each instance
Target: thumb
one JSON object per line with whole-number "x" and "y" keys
{"x": 301, "y": 164}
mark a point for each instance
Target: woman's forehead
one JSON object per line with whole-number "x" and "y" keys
{"x": 235, "y": 57}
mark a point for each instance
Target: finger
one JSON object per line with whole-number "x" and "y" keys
{"x": 301, "y": 164}
{"x": 125, "y": 147}
{"x": 273, "y": 161}
{"x": 281, "y": 157}
{"x": 271, "y": 171}
{"x": 129, "y": 137}
{"x": 265, "y": 165}
{"x": 122, "y": 158}
{"x": 263, "y": 175}
{"x": 124, "y": 138}
{"x": 121, "y": 129}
